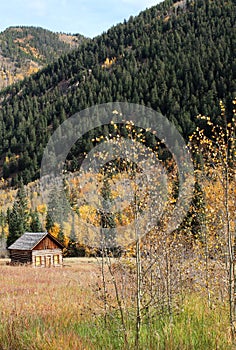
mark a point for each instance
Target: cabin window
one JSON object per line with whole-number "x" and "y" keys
{"x": 56, "y": 259}
{"x": 38, "y": 261}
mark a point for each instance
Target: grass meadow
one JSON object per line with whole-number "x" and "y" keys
{"x": 61, "y": 309}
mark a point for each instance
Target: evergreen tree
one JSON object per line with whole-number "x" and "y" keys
{"x": 2, "y": 223}
{"x": 107, "y": 218}
{"x": 58, "y": 207}
{"x": 61, "y": 236}
{"x": 198, "y": 212}
{"x": 18, "y": 217}
{"x": 35, "y": 225}
{"x": 15, "y": 223}
{"x": 49, "y": 221}
{"x": 72, "y": 244}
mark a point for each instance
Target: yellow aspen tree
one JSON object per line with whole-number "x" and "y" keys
{"x": 216, "y": 158}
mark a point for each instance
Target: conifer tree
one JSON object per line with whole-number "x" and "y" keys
{"x": 107, "y": 218}
{"x": 72, "y": 244}
{"x": 18, "y": 217}
{"x": 35, "y": 225}
{"x": 61, "y": 236}
{"x": 58, "y": 207}
{"x": 49, "y": 221}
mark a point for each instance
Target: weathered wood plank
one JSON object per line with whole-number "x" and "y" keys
{"x": 46, "y": 243}
{"x": 19, "y": 256}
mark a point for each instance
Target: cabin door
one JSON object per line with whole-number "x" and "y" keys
{"x": 48, "y": 261}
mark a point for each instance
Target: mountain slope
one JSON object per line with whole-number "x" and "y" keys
{"x": 24, "y": 50}
{"x": 176, "y": 57}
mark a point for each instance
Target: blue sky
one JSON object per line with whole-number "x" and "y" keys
{"x": 87, "y": 17}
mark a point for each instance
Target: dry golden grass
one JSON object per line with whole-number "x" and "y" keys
{"x": 45, "y": 303}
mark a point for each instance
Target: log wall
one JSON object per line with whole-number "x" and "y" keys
{"x": 20, "y": 256}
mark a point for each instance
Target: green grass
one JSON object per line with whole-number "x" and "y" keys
{"x": 194, "y": 328}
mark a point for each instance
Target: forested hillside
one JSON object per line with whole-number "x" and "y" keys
{"x": 177, "y": 57}
{"x": 25, "y": 50}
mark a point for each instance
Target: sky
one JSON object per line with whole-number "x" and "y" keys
{"x": 87, "y": 17}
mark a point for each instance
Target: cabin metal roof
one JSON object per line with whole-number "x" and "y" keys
{"x": 29, "y": 240}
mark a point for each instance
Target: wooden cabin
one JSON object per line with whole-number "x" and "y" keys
{"x": 39, "y": 249}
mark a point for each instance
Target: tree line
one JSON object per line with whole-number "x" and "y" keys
{"x": 176, "y": 59}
